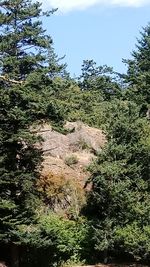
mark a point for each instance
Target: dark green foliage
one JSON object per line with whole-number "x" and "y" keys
{"x": 138, "y": 74}
{"x": 121, "y": 190}
{"x": 89, "y": 99}
{"x": 84, "y": 105}
{"x": 101, "y": 79}
{"x": 34, "y": 87}
{"x": 26, "y": 70}
{"x": 54, "y": 240}
{"x": 118, "y": 205}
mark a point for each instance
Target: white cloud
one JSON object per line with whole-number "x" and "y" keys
{"x": 68, "y": 5}
{"x": 134, "y": 3}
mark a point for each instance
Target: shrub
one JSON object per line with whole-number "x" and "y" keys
{"x": 71, "y": 160}
{"x": 67, "y": 237}
{"x": 82, "y": 144}
{"x": 62, "y": 194}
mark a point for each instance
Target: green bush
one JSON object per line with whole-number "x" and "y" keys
{"x": 66, "y": 237}
{"x": 54, "y": 241}
{"x": 134, "y": 240}
{"x": 71, "y": 160}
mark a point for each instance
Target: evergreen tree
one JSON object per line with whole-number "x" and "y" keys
{"x": 27, "y": 68}
{"x": 138, "y": 74}
{"x": 119, "y": 202}
{"x": 99, "y": 79}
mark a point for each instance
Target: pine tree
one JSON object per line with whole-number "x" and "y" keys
{"x": 138, "y": 74}
{"x": 99, "y": 79}
{"x": 27, "y": 68}
{"x": 118, "y": 204}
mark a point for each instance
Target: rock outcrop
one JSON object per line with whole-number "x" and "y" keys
{"x": 66, "y": 158}
{"x": 69, "y": 155}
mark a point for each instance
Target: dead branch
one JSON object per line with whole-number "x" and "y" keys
{"x": 5, "y": 78}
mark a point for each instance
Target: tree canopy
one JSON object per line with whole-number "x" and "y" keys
{"x": 35, "y": 88}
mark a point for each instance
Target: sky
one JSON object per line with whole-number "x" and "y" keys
{"x": 103, "y": 30}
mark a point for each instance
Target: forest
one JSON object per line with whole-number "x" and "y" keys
{"x": 113, "y": 223}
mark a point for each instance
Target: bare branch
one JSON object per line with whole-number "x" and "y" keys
{"x": 7, "y": 79}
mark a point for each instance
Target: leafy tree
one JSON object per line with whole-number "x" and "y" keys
{"x": 27, "y": 68}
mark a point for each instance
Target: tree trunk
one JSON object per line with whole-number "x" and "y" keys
{"x": 14, "y": 256}
{"x": 105, "y": 256}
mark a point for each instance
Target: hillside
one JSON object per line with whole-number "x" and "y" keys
{"x": 66, "y": 159}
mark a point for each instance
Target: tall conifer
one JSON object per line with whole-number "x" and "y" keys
{"x": 27, "y": 67}
{"x": 138, "y": 73}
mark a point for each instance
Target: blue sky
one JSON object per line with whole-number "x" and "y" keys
{"x": 102, "y": 30}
